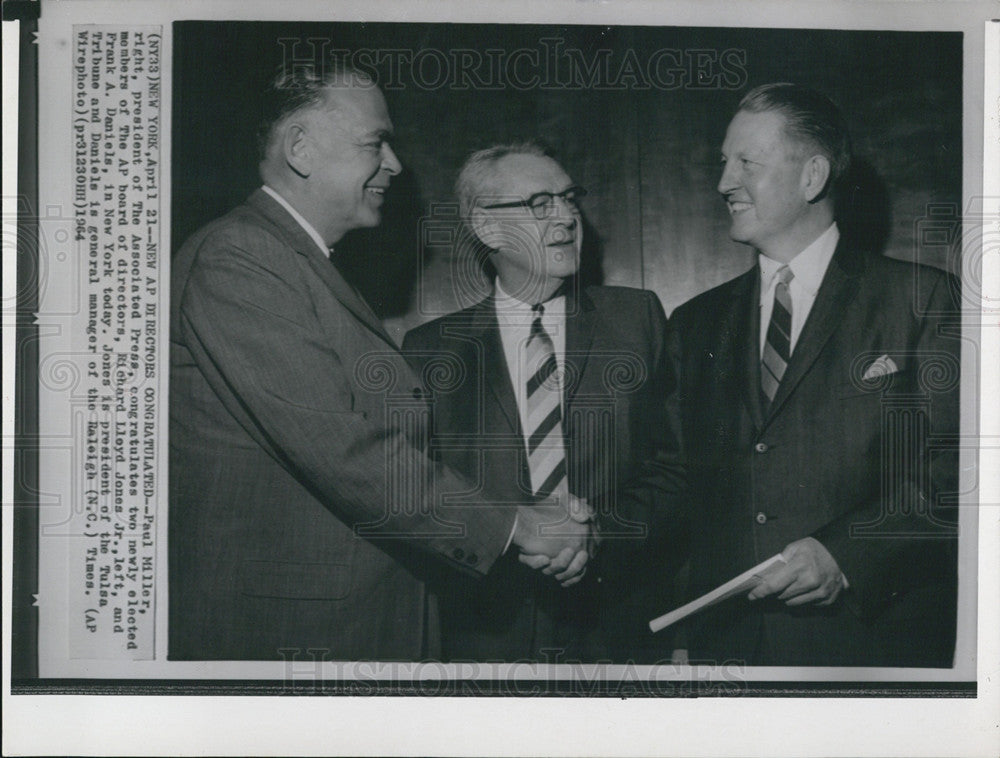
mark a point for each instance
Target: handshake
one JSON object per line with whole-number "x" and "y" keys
{"x": 557, "y": 536}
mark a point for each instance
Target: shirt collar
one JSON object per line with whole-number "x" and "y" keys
{"x": 808, "y": 267}
{"x": 510, "y": 310}
{"x": 299, "y": 219}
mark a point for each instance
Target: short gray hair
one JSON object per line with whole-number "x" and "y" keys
{"x": 477, "y": 177}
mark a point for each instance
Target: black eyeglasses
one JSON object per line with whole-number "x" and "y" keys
{"x": 541, "y": 204}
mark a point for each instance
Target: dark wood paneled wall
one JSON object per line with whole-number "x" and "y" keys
{"x": 649, "y": 155}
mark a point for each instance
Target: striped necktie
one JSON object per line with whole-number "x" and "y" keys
{"x": 778, "y": 346}
{"x": 546, "y": 451}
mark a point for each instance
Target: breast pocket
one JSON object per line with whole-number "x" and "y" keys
{"x": 898, "y": 382}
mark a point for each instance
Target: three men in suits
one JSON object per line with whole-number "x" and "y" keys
{"x": 302, "y": 505}
{"x": 596, "y": 420}
{"x": 819, "y": 403}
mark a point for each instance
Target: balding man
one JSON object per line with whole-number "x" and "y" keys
{"x": 300, "y": 507}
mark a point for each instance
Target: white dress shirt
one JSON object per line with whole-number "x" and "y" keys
{"x": 514, "y": 318}
{"x": 301, "y": 221}
{"x": 808, "y": 269}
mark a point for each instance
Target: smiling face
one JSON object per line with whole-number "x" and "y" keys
{"x": 766, "y": 185}
{"x": 532, "y": 255}
{"x": 350, "y": 160}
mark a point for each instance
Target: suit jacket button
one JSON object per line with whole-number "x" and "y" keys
{"x": 760, "y": 447}
{"x": 458, "y": 554}
{"x": 761, "y": 518}
{"x": 472, "y": 559}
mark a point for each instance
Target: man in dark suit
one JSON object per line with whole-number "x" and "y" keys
{"x": 301, "y": 502}
{"x": 595, "y": 421}
{"x": 818, "y": 393}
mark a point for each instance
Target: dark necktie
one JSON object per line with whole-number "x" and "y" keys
{"x": 778, "y": 345}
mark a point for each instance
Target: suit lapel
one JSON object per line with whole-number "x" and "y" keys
{"x": 745, "y": 318}
{"x": 299, "y": 240}
{"x": 580, "y": 324}
{"x": 486, "y": 332}
{"x": 838, "y": 289}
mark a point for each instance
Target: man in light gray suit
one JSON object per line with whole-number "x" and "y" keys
{"x": 301, "y": 510}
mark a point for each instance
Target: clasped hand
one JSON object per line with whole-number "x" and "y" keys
{"x": 557, "y": 537}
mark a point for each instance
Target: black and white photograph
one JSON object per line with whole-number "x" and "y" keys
{"x": 305, "y": 492}
{"x": 622, "y": 374}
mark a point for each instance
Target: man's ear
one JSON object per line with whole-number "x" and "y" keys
{"x": 815, "y": 177}
{"x": 295, "y": 148}
{"x": 485, "y": 226}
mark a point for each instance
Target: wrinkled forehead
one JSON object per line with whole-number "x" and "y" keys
{"x": 522, "y": 175}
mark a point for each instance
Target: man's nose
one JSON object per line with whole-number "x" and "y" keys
{"x": 728, "y": 181}
{"x": 390, "y": 163}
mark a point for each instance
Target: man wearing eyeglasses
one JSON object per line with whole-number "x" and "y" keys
{"x": 559, "y": 391}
